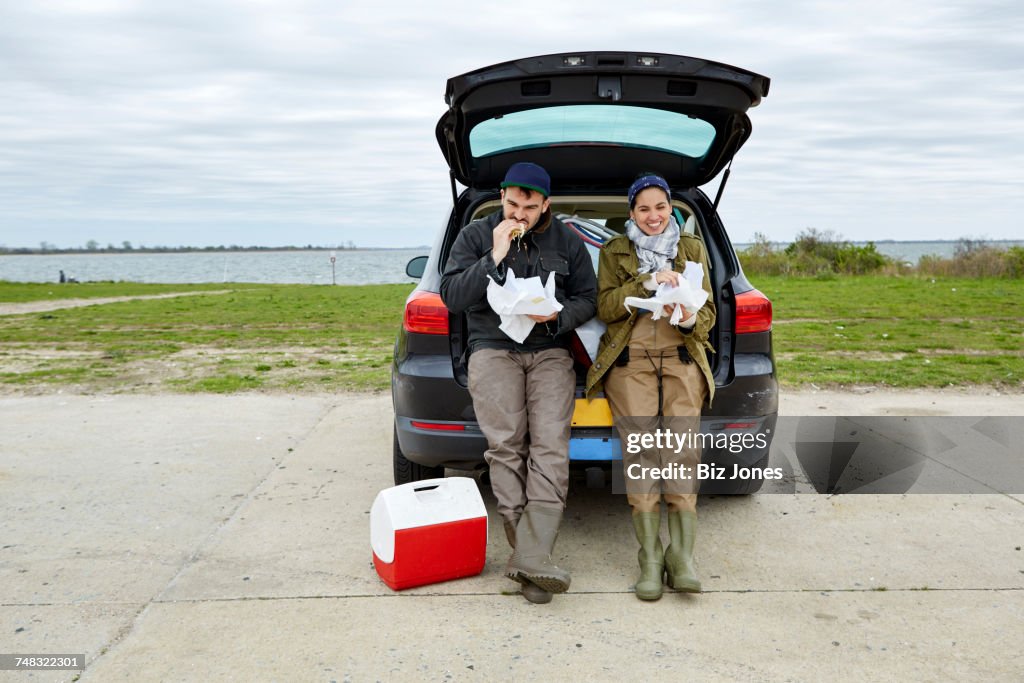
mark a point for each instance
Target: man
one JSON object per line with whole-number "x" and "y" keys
{"x": 523, "y": 393}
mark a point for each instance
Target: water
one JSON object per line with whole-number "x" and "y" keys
{"x": 353, "y": 267}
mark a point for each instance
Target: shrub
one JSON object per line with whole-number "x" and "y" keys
{"x": 813, "y": 253}
{"x": 1015, "y": 261}
{"x": 974, "y": 258}
{"x": 820, "y": 254}
{"x": 763, "y": 258}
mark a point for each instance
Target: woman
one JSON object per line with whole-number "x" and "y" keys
{"x": 655, "y": 375}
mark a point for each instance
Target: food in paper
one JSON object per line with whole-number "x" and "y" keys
{"x": 590, "y": 334}
{"x": 519, "y": 298}
{"x": 689, "y": 294}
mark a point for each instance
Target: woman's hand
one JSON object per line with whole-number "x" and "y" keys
{"x": 667, "y": 277}
{"x": 671, "y": 308}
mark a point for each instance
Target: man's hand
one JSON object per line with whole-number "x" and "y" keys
{"x": 502, "y": 235}
{"x": 543, "y": 318}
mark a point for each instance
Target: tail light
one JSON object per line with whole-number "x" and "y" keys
{"x": 439, "y": 426}
{"x": 753, "y": 312}
{"x": 425, "y": 313}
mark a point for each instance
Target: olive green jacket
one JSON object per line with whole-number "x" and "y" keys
{"x": 618, "y": 277}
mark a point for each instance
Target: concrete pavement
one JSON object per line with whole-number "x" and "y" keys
{"x": 227, "y": 538}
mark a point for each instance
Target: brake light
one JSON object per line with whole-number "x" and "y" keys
{"x": 444, "y": 427}
{"x": 753, "y": 312}
{"x": 425, "y": 313}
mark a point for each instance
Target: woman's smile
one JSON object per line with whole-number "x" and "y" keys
{"x": 654, "y": 226}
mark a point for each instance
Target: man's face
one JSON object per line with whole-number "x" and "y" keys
{"x": 526, "y": 209}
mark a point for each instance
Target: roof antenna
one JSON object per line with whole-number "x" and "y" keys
{"x": 721, "y": 185}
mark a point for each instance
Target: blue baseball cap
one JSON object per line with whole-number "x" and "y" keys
{"x": 529, "y": 176}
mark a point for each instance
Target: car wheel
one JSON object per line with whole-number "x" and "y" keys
{"x": 749, "y": 486}
{"x": 407, "y": 471}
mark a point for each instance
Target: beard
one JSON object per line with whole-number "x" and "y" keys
{"x": 541, "y": 223}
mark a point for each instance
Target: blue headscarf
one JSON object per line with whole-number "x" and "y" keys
{"x": 643, "y": 183}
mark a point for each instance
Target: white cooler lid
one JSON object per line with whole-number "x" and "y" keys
{"x": 421, "y": 503}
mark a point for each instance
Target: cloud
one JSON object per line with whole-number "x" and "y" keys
{"x": 313, "y": 122}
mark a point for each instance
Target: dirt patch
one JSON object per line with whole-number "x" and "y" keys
{"x": 26, "y": 307}
{"x": 78, "y": 369}
{"x": 882, "y": 356}
{"x": 868, "y": 400}
{"x": 858, "y": 355}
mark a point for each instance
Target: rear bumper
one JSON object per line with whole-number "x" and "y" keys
{"x": 461, "y": 445}
{"x": 752, "y": 390}
{"x": 458, "y": 445}
{"x": 424, "y": 391}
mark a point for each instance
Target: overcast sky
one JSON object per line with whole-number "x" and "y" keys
{"x": 281, "y": 122}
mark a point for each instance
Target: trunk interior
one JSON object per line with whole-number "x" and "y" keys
{"x": 602, "y": 215}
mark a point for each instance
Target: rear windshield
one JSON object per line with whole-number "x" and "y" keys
{"x": 592, "y": 123}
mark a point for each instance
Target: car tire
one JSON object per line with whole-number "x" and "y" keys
{"x": 749, "y": 486}
{"x": 406, "y": 470}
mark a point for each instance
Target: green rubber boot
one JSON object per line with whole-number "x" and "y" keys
{"x": 510, "y": 531}
{"x": 531, "y": 560}
{"x": 651, "y": 554}
{"x": 530, "y": 591}
{"x": 682, "y": 531}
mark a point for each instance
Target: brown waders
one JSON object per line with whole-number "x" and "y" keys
{"x": 657, "y": 389}
{"x": 524, "y": 403}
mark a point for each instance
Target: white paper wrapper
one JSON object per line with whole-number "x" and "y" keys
{"x": 518, "y": 298}
{"x": 689, "y": 294}
{"x": 590, "y": 334}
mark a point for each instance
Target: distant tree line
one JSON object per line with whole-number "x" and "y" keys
{"x": 824, "y": 254}
{"x": 126, "y": 247}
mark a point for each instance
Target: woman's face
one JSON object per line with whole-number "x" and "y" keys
{"x": 651, "y": 211}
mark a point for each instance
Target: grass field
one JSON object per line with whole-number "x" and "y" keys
{"x": 900, "y": 332}
{"x": 287, "y": 337}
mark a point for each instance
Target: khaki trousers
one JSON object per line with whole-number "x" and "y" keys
{"x": 524, "y": 404}
{"x": 632, "y": 392}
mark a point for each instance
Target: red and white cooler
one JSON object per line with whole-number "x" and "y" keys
{"x": 428, "y": 531}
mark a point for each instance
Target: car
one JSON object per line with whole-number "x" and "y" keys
{"x": 593, "y": 120}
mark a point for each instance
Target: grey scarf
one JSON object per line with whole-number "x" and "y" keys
{"x": 654, "y": 251}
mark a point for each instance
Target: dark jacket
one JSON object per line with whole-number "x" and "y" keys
{"x": 620, "y": 277}
{"x": 551, "y": 249}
